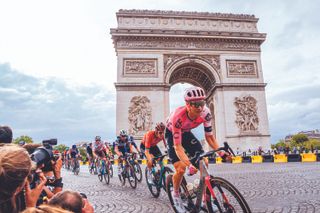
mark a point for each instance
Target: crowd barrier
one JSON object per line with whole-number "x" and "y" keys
{"x": 309, "y": 157}
{"x": 256, "y": 159}
{"x": 267, "y": 158}
{"x": 279, "y": 158}
{"x": 294, "y": 157}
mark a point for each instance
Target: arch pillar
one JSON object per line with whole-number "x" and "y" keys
{"x": 156, "y": 49}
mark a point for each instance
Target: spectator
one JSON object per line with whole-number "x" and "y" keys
{"x": 45, "y": 209}
{"x": 55, "y": 180}
{"x": 5, "y": 134}
{"x": 71, "y": 201}
{"x": 15, "y": 167}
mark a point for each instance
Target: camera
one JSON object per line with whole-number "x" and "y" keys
{"x": 44, "y": 155}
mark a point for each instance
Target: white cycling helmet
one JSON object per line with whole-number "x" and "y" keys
{"x": 123, "y": 132}
{"x": 194, "y": 94}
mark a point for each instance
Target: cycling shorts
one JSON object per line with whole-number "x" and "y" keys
{"x": 191, "y": 145}
{"x": 154, "y": 150}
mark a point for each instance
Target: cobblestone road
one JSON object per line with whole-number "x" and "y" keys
{"x": 268, "y": 187}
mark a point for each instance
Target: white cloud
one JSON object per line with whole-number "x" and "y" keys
{"x": 70, "y": 40}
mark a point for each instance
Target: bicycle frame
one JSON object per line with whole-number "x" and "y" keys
{"x": 162, "y": 170}
{"x": 205, "y": 182}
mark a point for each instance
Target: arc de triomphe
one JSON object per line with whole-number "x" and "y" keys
{"x": 218, "y": 52}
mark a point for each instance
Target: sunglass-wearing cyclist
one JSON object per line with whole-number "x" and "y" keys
{"x": 150, "y": 140}
{"x": 183, "y": 146}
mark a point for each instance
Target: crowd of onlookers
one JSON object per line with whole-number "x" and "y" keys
{"x": 29, "y": 187}
{"x": 277, "y": 150}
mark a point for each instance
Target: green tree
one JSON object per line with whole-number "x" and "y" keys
{"x": 278, "y": 144}
{"x": 83, "y": 153}
{"x": 313, "y": 143}
{"x": 60, "y": 147}
{"x": 25, "y": 138}
{"x": 299, "y": 138}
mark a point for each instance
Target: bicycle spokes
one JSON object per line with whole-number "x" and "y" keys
{"x": 224, "y": 197}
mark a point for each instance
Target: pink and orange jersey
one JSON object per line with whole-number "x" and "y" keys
{"x": 179, "y": 122}
{"x": 149, "y": 139}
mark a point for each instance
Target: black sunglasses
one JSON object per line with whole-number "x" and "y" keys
{"x": 198, "y": 103}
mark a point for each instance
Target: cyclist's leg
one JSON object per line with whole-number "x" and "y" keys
{"x": 179, "y": 166}
{"x": 192, "y": 146}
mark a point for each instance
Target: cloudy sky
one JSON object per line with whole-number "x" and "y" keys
{"x": 58, "y": 64}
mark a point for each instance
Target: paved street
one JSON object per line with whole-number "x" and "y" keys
{"x": 268, "y": 187}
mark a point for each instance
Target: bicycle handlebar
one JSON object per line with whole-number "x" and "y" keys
{"x": 159, "y": 157}
{"x": 225, "y": 148}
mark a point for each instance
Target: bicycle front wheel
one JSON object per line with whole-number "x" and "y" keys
{"x": 106, "y": 176}
{"x": 152, "y": 184}
{"x": 225, "y": 197}
{"x": 138, "y": 171}
{"x": 132, "y": 179}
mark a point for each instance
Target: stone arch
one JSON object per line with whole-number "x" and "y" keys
{"x": 157, "y": 49}
{"x": 194, "y": 70}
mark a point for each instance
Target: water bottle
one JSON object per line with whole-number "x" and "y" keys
{"x": 196, "y": 183}
{"x": 190, "y": 188}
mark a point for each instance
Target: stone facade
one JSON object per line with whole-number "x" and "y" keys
{"x": 218, "y": 52}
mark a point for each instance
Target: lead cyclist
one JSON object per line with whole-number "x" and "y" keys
{"x": 183, "y": 146}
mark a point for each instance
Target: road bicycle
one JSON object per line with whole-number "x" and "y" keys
{"x": 92, "y": 166}
{"x": 76, "y": 166}
{"x": 127, "y": 172}
{"x": 214, "y": 194}
{"x": 104, "y": 170}
{"x": 156, "y": 179}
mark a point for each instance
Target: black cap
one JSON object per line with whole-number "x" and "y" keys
{"x": 5, "y": 134}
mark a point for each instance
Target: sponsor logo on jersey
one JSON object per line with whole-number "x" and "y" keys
{"x": 178, "y": 124}
{"x": 208, "y": 117}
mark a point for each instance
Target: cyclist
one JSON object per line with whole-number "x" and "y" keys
{"x": 131, "y": 140}
{"x": 122, "y": 145}
{"x": 74, "y": 154}
{"x": 90, "y": 155}
{"x": 65, "y": 157}
{"x": 100, "y": 149}
{"x": 149, "y": 146}
{"x": 183, "y": 146}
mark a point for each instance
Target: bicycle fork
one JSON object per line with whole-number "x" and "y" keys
{"x": 215, "y": 200}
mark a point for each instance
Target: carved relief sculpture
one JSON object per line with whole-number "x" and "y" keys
{"x": 242, "y": 68}
{"x": 213, "y": 60}
{"x": 246, "y": 113}
{"x": 140, "y": 114}
{"x": 140, "y": 66}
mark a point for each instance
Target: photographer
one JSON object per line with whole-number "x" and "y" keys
{"x": 50, "y": 163}
{"x": 15, "y": 167}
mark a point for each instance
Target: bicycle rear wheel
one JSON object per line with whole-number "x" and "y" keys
{"x": 106, "y": 176}
{"x": 167, "y": 171}
{"x": 110, "y": 169}
{"x": 138, "y": 171}
{"x": 152, "y": 186}
{"x": 186, "y": 199}
{"x": 227, "y": 198}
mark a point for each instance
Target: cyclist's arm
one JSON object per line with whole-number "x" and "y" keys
{"x": 131, "y": 147}
{"x": 212, "y": 142}
{"x": 147, "y": 145}
{"x": 117, "y": 151}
